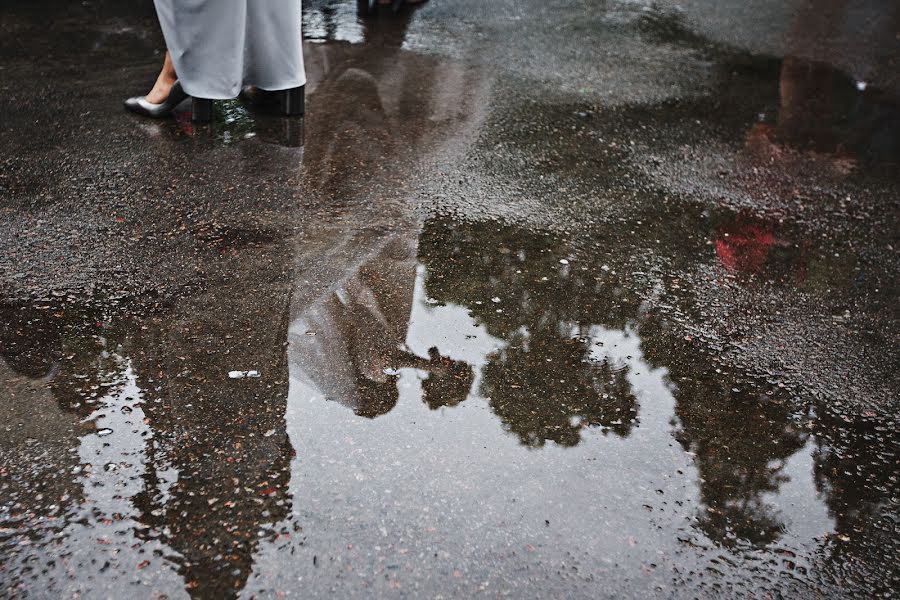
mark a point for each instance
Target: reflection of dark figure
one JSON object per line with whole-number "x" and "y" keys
{"x": 215, "y": 460}
{"x": 220, "y": 454}
{"x": 352, "y": 314}
{"x": 225, "y": 439}
{"x": 523, "y": 379}
{"x": 47, "y": 404}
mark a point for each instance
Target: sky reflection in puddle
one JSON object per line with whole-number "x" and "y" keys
{"x": 471, "y": 405}
{"x": 712, "y": 468}
{"x": 443, "y": 415}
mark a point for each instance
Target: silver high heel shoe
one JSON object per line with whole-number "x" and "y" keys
{"x": 139, "y": 104}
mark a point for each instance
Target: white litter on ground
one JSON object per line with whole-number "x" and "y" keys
{"x": 242, "y": 374}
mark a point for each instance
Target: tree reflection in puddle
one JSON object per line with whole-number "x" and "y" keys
{"x": 72, "y": 494}
{"x": 549, "y": 389}
{"x": 545, "y": 386}
{"x": 550, "y": 342}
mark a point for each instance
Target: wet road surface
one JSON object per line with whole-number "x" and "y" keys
{"x": 547, "y": 299}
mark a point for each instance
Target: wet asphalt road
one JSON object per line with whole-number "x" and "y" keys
{"x": 554, "y": 299}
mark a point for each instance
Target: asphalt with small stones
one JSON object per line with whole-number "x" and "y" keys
{"x": 547, "y": 299}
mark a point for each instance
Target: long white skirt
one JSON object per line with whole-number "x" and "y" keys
{"x": 217, "y": 46}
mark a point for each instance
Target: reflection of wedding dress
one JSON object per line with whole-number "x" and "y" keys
{"x": 354, "y": 295}
{"x": 347, "y": 334}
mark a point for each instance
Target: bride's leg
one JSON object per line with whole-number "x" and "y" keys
{"x": 164, "y": 82}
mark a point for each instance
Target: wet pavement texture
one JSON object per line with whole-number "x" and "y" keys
{"x": 556, "y": 299}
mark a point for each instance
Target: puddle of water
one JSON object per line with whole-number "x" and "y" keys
{"x": 565, "y": 430}
{"x": 458, "y": 405}
{"x": 580, "y": 436}
{"x": 86, "y": 524}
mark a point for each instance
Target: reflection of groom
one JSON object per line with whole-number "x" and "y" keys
{"x": 223, "y": 441}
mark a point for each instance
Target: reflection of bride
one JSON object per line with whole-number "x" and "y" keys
{"x": 349, "y": 342}
{"x": 357, "y": 264}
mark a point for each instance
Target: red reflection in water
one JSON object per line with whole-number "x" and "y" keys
{"x": 743, "y": 245}
{"x": 750, "y": 245}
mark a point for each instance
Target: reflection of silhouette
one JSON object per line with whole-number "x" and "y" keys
{"x": 218, "y": 459}
{"x": 371, "y": 108}
{"x": 35, "y": 453}
{"x": 225, "y": 443}
{"x": 220, "y": 453}
{"x": 225, "y": 439}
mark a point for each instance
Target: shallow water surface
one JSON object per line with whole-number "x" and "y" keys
{"x": 547, "y": 299}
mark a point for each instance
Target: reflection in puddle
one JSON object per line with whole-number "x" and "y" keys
{"x": 462, "y": 346}
{"x": 332, "y": 21}
{"x": 89, "y": 518}
{"x": 450, "y": 330}
{"x": 466, "y": 404}
{"x": 715, "y": 468}
{"x": 752, "y": 246}
{"x": 234, "y": 121}
{"x": 114, "y": 464}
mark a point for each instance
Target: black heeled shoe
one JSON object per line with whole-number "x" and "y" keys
{"x": 140, "y": 105}
{"x": 292, "y": 102}
{"x": 201, "y": 110}
{"x": 287, "y": 103}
